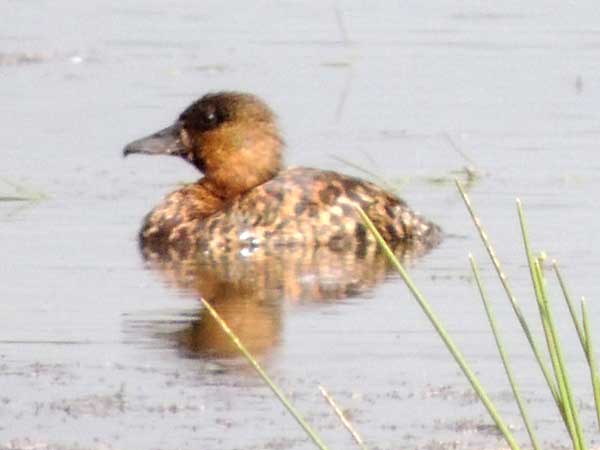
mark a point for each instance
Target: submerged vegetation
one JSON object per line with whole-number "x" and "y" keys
{"x": 20, "y": 193}
{"x": 557, "y": 378}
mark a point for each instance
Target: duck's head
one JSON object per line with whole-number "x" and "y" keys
{"x": 231, "y": 137}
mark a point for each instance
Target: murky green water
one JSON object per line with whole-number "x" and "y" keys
{"x": 98, "y": 352}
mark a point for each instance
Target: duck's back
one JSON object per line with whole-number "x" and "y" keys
{"x": 311, "y": 207}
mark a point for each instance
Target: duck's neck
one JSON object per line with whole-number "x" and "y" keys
{"x": 241, "y": 160}
{"x": 236, "y": 186}
{"x": 209, "y": 196}
{"x": 206, "y": 198}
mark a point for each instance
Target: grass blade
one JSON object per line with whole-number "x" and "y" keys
{"x": 584, "y": 334}
{"x": 572, "y": 312}
{"x": 450, "y": 345}
{"x": 276, "y": 389}
{"x": 507, "y": 367}
{"x": 513, "y": 301}
{"x": 540, "y": 297}
{"x": 357, "y": 438}
{"x": 568, "y": 408}
{"x": 591, "y": 358}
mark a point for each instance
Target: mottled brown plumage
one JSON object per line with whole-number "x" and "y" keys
{"x": 246, "y": 200}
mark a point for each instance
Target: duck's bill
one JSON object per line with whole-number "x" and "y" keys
{"x": 163, "y": 142}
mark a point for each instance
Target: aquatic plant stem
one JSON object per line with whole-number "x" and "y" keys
{"x": 570, "y": 306}
{"x": 513, "y": 300}
{"x": 276, "y": 390}
{"x": 538, "y": 289}
{"x": 570, "y": 399}
{"x": 450, "y": 345}
{"x": 505, "y": 361}
{"x": 591, "y": 358}
{"x": 357, "y": 438}
{"x": 567, "y": 405}
{"x": 553, "y": 342}
{"x": 584, "y": 336}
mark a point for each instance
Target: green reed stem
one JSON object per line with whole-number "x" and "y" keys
{"x": 503, "y": 355}
{"x": 450, "y": 345}
{"x": 276, "y": 389}
{"x": 571, "y": 306}
{"x": 569, "y": 411}
{"x": 567, "y": 405}
{"x": 538, "y": 291}
{"x": 513, "y": 301}
{"x": 591, "y": 358}
{"x": 584, "y": 337}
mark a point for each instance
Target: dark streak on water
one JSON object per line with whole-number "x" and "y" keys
{"x": 90, "y": 342}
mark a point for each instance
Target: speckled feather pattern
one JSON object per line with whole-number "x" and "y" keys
{"x": 298, "y": 207}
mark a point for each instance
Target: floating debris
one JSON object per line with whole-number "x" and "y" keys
{"x": 21, "y": 193}
{"x": 21, "y": 58}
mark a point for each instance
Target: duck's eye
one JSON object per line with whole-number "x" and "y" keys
{"x": 201, "y": 117}
{"x": 211, "y": 118}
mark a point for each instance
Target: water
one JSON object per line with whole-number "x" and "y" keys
{"x": 96, "y": 351}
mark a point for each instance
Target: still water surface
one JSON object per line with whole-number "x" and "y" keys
{"x": 97, "y": 351}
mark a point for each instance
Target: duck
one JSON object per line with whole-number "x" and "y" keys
{"x": 248, "y": 199}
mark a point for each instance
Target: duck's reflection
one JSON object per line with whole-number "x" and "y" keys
{"x": 251, "y": 289}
